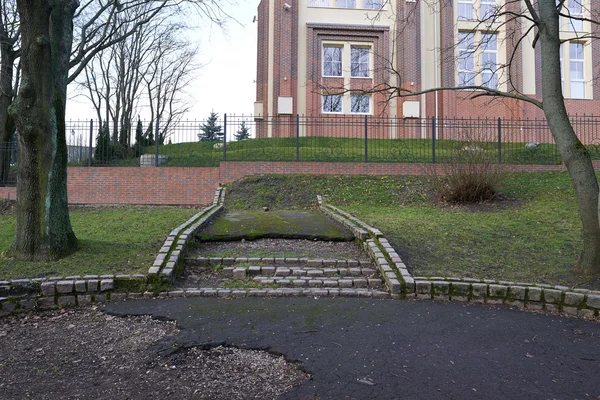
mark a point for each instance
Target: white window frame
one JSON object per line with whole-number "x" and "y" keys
{"x": 364, "y": 100}
{"x": 318, "y": 3}
{"x": 578, "y": 61}
{"x": 568, "y": 81}
{"x": 373, "y": 4}
{"x": 345, "y": 3}
{"x": 487, "y": 9}
{"x": 489, "y": 75}
{"x": 466, "y": 10}
{"x": 562, "y": 67}
{"x": 466, "y": 56}
{"x": 574, "y": 8}
{"x": 329, "y": 99}
{"x": 333, "y": 62}
{"x": 366, "y": 65}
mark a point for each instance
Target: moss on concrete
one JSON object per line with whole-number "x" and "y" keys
{"x": 251, "y": 225}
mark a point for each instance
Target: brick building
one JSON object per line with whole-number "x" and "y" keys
{"x": 314, "y": 57}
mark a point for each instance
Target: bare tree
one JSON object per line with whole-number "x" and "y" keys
{"x": 9, "y": 80}
{"x": 151, "y": 66}
{"x": 166, "y": 79}
{"x": 53, "y": 54}
{"x": 521, "y": 21}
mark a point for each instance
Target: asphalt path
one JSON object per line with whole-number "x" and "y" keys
{"x": 397, "y": 349}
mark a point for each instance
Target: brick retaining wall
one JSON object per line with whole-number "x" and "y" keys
{"x": 194, "y": 186}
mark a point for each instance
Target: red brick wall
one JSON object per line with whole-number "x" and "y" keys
{"x": 194, "y": 186}
{"x": 8, "y": 193}
{"x": 152, "y": 186}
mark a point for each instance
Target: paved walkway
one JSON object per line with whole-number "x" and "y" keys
{"x": 389, "y": 349}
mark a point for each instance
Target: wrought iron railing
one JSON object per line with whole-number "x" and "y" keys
{"x": 325, "y": 138}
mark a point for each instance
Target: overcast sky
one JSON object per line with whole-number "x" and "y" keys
{"x": 226, "y": 83}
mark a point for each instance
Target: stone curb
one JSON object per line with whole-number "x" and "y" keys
{"x": 272, "y": 292}
{"x": 170, "y": 256}
{"x": 393, "y": 271}
{"x": 66, "y": 291}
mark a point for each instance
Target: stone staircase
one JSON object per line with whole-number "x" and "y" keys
{"x": 304, "y": 276}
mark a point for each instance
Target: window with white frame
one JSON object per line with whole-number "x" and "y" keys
{"x": 360, "y": 104}
{"x": 332, "y": 60}
{"x": 465, "y": 10}
{"x": 373, "y": 4}
{"x": 487, "y": 9}
{"x": 345, "y": 3}
{"x": 562, "y": 69}
{"x": 573, "y": 74}
{"x": 359, "y": 62}
{"x": 576, "y": 70}
{"x": 332, "y": 103}
{"x": 466, "y": 59}
{"x": 318, "y": 3}
{"x": 489, "y": 60}
{"x": 575, "y": 10}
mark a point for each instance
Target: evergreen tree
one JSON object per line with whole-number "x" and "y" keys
{"x": 103, "y": 150}
{"x": 210, "y": 131}
{"x": 243, "y": 132}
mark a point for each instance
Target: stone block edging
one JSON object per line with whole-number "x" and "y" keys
{"x": 170, "y": 256}
{"x": 18, "y": 295}
{"x": 555, "y": 298}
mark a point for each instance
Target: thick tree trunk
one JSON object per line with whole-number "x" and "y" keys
{"x": 62, "y": 240}
{"x": 43, "y": 226}
{"x": 32, "y": 113}
{"x": 7, "y": 59}
{"x": 573, "y": 153}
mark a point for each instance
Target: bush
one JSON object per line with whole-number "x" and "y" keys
{"x": 472, "y": 173}
{"x": 107, "y": 151}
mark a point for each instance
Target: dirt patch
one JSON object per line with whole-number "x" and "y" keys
{"x": 7, "y": 207}
{"x": 85, "y": 354}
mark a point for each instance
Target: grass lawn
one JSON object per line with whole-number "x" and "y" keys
{"x": 532, "y": 237}
{"x": 204, "y": 154}
{"x": 112, "y": 240}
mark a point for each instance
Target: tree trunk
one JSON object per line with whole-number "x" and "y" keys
{"x": 7, "y": 59}
{"x": 574, "y": 154}
{"x": 61, "y": 237}
{"x": 43, "y": 225}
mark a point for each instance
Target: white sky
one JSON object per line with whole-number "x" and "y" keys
{"x": 226, "y": 83}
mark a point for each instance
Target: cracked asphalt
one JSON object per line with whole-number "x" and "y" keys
{"x": 389, "y": 349}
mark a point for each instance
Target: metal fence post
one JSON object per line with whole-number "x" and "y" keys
{"x": 224, "y": 137}
{"x": 366, "y": 138}
{"x": 297, "y": 137}
{"x": 433, "y": 133}
{"x": 91, "y": 138}
{"x": 499, "y": 141}
{"x": 156, "y": 142}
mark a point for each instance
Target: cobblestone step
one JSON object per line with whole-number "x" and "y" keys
{"x": 272, "y": 292}
{"x": 297, "y": 271}
{"x": 320, "y": 282}
{"x": 306, "y": 262}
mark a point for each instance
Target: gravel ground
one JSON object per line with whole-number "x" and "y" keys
{"x": 85, "y": 354}
{"x": 279, "y": 248}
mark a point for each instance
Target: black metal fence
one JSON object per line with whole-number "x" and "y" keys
{"x": 328, "y": 138}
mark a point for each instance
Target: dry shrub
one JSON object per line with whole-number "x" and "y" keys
{"x": 472, "y": 174}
